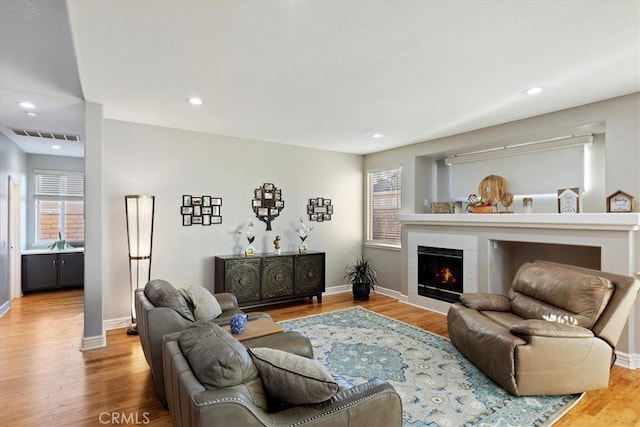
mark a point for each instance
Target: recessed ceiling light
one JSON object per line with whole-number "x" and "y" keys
{"x": 56, "y": 147}
{"x": 31, "y": 113}
{"x": 26, "y": 104}
{"x": 194, "y": 101}
{"x": 533, "y": 91}
{"x": 377, "y": 135}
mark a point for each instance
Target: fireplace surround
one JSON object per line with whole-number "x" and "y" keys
{"x": 609, "y": 242}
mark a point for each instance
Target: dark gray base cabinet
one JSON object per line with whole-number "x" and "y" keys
{"x": 269, "y": 279}
{"x": 52, "y": 271}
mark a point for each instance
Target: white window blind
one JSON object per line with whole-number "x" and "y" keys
{"x": 385, "y": 194}
{"x": 542, "y": 172}
{"x": 54, "y": 185}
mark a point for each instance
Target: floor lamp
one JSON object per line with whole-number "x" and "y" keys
{"x": 139, "y": 211}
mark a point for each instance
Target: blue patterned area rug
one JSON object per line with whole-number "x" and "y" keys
{"x": 437, "y": 384}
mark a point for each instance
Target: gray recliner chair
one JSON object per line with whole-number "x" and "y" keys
{"x": 166, "y": 312}
{"x": 221, "y": 384}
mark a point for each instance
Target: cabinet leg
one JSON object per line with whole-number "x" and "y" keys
{"x": 319, "y": 296}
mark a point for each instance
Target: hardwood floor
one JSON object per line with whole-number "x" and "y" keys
{"x": 45, "y": 380}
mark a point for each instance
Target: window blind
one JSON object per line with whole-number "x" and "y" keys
{"x": 54, "y": 185}
{"x": 385, "y": 194}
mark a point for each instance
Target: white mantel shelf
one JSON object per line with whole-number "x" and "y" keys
{"x": 580, "y": 221}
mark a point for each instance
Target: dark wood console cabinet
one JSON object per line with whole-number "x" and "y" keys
{"x": 268, "y": 279}
{"x": 52, "y": 271}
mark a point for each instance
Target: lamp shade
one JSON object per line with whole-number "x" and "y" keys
{"x": 139, "y": 211}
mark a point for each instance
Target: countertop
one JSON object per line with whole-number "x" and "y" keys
{"x": 48, "y": 251}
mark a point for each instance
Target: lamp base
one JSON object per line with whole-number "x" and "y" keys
{"x": 132, "y": 330}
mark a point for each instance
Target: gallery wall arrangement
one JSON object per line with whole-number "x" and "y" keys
{"x": 201, "y": 210}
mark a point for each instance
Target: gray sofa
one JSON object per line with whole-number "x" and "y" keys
{"x": 554, "y": 333}
{"x": 219, "y": 383}
{"x": 170, "y": 312}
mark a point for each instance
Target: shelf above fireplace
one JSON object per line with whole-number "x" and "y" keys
{"x": 580, "y": 221}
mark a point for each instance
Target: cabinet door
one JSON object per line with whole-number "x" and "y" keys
{"x": 309, "y": 274}
{"x": 242, "y": 278}
{"x": 39, "y": 272}
{"x": 71, "y": 270}
{"x": 277, "y": 276}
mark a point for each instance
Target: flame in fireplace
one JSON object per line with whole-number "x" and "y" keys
{"x": 445, "y": 276}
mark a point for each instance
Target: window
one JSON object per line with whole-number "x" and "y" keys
{"x": 59, "y": 205}
{"x": 384, "y": 195}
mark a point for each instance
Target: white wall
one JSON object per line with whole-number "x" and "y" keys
{"x": 168, "y": 163}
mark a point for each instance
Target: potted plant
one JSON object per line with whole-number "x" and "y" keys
{"x": 363, "y": 278}
{"x": 59, "y": 244}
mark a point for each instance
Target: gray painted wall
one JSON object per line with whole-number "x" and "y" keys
{"x": 168, "y": 163}
{"x": 13, "y": 163}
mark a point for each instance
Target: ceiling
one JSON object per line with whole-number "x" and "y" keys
{"x": 323, "y": 74}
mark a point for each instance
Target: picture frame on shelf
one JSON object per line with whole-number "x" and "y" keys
{"x": 620, "y": 202}
{"x": 569, "y": 200}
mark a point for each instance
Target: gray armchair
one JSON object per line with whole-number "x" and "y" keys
{"x": 174, "y": 315}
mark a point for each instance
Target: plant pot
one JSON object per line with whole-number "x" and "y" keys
{"x": 361, "y": 291}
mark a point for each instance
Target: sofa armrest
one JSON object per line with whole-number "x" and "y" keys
{"x": 545, "y": 328}
{"x": 290, "y": 341}
{"x": 486, "y": 302}
{"x": 227, "y": 301}
{"x": 356, "y": 406}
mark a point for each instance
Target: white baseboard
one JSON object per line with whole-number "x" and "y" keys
{"x": 628, "y": 360}
{"x": 4, "y": 308}
{"x": 122, "y": 322}
{"x": 91, "y": 343}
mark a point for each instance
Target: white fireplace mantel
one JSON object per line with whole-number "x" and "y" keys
{"x": 580, "y": 221}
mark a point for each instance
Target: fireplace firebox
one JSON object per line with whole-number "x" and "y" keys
{"x": 440, "y": 273}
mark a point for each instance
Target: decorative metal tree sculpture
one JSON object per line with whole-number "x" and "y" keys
{"x": 267, "y": 203}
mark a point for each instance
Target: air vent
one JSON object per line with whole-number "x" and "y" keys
{"x": 46, "y": 135}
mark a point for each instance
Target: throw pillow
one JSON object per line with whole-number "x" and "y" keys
{"x": 216, "y": 358}
{"x": 162, "y": 294}
{"x": 293, "y": 379}
{"x": 205, "y": 306}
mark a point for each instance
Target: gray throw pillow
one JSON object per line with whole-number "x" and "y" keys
{"x": 293, "y": 379}
{"x": 162, "y": 294}
{"x": 205, "y": 306}
{"x": 216, "y": 358}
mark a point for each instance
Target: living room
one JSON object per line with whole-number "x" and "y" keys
{"x": 124, "y": 156}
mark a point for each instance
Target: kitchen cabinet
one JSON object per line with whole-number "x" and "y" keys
{"x": 50, "y": 271}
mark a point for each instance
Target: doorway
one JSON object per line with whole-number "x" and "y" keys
{"x": 15, "y": 263}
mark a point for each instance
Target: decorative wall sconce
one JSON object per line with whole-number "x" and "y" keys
{"x": 205, "y": 210}
{"x": 267, "y": 203}
{"x": 320, "y": 209}
{"x": 139, "y": 212}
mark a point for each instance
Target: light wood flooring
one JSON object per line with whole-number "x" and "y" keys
{"x": 45, "y": 380}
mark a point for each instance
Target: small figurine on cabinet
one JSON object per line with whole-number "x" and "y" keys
{"x": 276, "y": 244}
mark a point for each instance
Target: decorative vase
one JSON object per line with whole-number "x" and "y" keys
{"x": 249, "y": 251}
{"x": 238, "y": 323}
{"x": 303, "y": 248}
